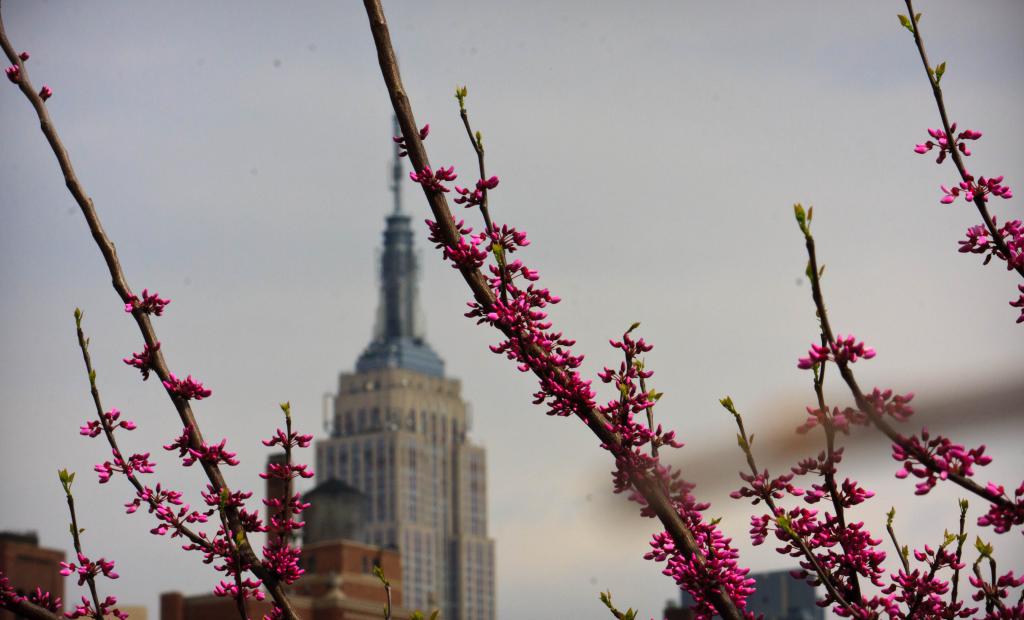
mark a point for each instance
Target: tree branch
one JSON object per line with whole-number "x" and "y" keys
{"x": 656, "y": 497}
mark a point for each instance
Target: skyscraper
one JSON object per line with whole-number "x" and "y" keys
{"x": 399, "y": 435}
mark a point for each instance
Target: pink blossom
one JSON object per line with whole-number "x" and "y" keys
{"x": 136, "y": 463}
{"x": 946, "y": 144}
{"x": 475, "y": 197}
{"x": 400, "y": 140}
{"x": 13, "y": 73}
{"x": 212, "y": 454}
{"x": 1019, "y": 303}
{"x": 1004, "y": 518}
{"x": 947, "y": 456}
{"x": 143, "y": 360}
{"x": 45, "y": 92}
{"x": 92, "y": 428}
{"x": 151, "y": 303}
{"x": 971, "y": 189}
{"x": 86, "y": 569}
{"x": 431, "y": 181}
{"x": 186, "y": 389}
{"x": 841, "y": 351}
{"x": 85, "y": 610}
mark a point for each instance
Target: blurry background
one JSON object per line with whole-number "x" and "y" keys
{"x": 238, "y": 155}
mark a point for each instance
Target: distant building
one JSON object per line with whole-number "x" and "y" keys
{"x": 339, "y": 585}
{"x": 27, "y": 566}
{"x": 399, "y": 436}
{"x": 135, "y": 612}
{"x": 779, "y": 596}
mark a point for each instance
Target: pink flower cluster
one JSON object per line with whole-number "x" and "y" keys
{"x": 948, "y": 456}
{"x": 143, "y": 360}
{"x": 978, "y": 241}
{"x": 85, "y": 610}
{"x": 1008, "y": 244}
{"x": 467, "y": 253}
{"x": 168, "y": 508}
{"x": 151, "y": 303}
{"x": 136, "y": 463}
{"x": 86, "y": 568}
{"x": 1004, "y": 518}
{"x": 885, "y": 402}
{"x": 475, "y": 197}
{"x": 400, "y": 140}
{"x": 187, "y": 388}
{"x": 1019, "y": 303}
{"x": 946, "y": 143}
{"x": 280, "y": 557}
{"x": 224, "y": 548}
{"x": 842, "y": 351}
{"x": 204, "y": 453}
{"x": 92, "y": 428}
{"x": 432, "y": 180}
{"x": 996, "y": 595}
{"x": 922, "y": 591}
{"x": 13, "y": 73}
{"x": 843, "y": 551}
{"x": 10, "y": 596}
{"x": 981, "y": 189}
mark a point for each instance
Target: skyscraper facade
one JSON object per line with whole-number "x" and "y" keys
{"x": 399, "y": 436}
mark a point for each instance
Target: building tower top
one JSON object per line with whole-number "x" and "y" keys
{"x": 398, "y": 338}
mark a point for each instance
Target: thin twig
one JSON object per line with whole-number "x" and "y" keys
{"x": 120, "y": 284}
{"x": 478, "y": 146}
{"x": 830, "y": 471}
{"x": 823, "y": 575}
{"x": 89, "y": 578}
{"x": 979, "y": 200}
{"x": 896, "y": 543}
{"x": 652, "y": 491}
{"x": 919, "y": 594}
{"x": 240, "y": 604}
{"x": 869, "y": 409}
{"x": 108, "y": 432}
{"x": 960, "y": 549}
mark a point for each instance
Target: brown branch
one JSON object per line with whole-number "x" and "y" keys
{"x": 830, "y": 471}
{"x": 108, "y": 432}
{"x": 961, "y": 537}
{"x": 979, "y": 201}
{"x": 24, "y": 608}
{"x": 656, "y": 497}
{"x": 89, "y": 578}
{"x": 867, "y": 407}
{"x": 240, "y": 604}
{"x": 120, "y": 284}
{"x": 823, "y": 575}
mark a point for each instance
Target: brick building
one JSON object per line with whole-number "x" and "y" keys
{"x": 339, "y": 585}
{"x": 27, "y": 565}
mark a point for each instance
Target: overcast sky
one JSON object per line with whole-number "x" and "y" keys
{"x": 237, "y": 153}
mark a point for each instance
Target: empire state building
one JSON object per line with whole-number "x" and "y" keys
{"x": 399, "y": 436}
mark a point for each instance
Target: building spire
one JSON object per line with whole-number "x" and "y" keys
{"x": 398, "y": 337}
{"x": 396, "y": 170}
